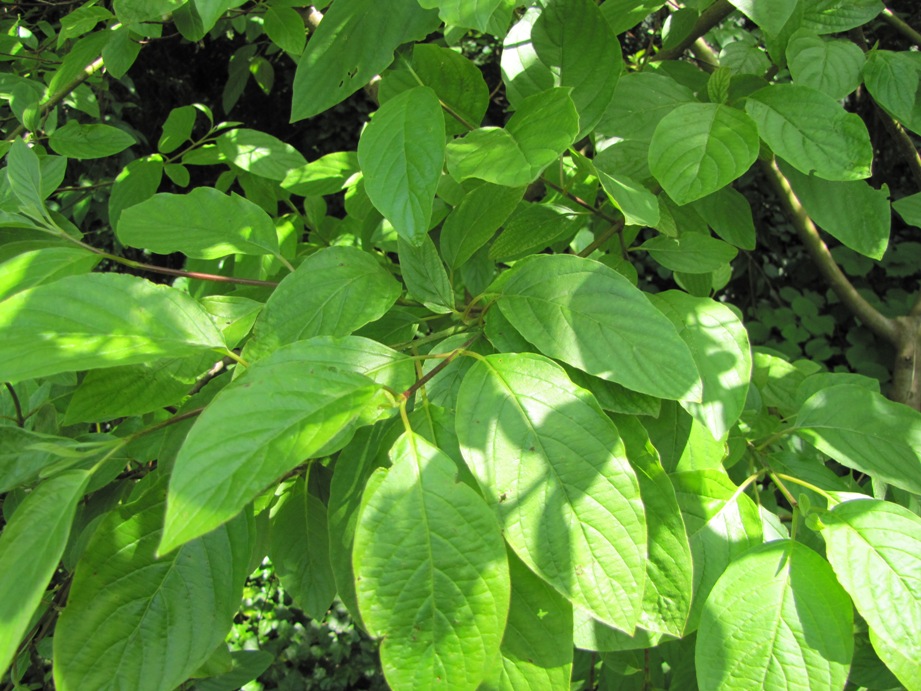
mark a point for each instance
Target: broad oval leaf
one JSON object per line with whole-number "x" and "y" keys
{"x": 638, "y": 205}
{"x": 354, "y": 42}
{"x": 729, "y": 214}
{"x": 832, "y": 67}
{"x": 699, "y": 148}
{"x": 893, "y": 79}
{"x": 812, "y": 132}
{"x": 432, "y": 575}
{"x": 310, "y": 401}
{"x": 31, "y": 546}
{"x": 136, "y": 621}
{"x": 875, "y": 549}
{"x": 203, "y": 224}
{"x": 259, "y": 153}
{"x": 572, "y": 38}
{"x": 851, "y": 211}
{"x": 327, "y": 175}
{"x": 777, "y": 614}
{"x": 98, "y": 320}
{"x": 401, "y": 153}
{"x": 469, "y": 14}
{"x": 472, "y": 223}
{"x": 719, "y": 344}
{"x": 332, "y": 293}
{"x": 589, "y": 316}
{"x": 865, "y": 431}
{"x": 552, "y": 466}
{"x": 83, "y": 142}
{"x": 691, "y": 253}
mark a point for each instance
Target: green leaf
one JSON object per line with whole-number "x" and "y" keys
{"x": 311, "y": 396}
{"x": 865, "y": 431}
{"x": 120, "y": 52}
{"x": 638, "y": 205}
{"x": 771, "y": 16}
{"x": 851, "y": 211}
{"x": 299, "y": 550}
{"x": 353, "y": 469}
{"x": 700, "y": 147}
{"x": 641, "y": 100}
{"x": 327, "y": 175}
{"x": 457, "y": 82}
{"x": 669, "y": 567}
{"x": 468, "y": 14}
{"x": 425, "y": 275}
{"x": 285, "y": 28}
{"x": 719, "y": 344}
{"x": 875, "y": 549}
{"x": 401, "y": 153}
{"x": 522, "y": 70}
{"x": 536, "y": 650}
{"x": 894, "y": 81}
{"x": 909, "y": 208}
{"x": 354, "y": 42}
{"x": 213, "y": 225}
{"x": 31, "y": 546}
{"x": 812, "y": 132}
{"x": 137, "y": 182}
{"x": 177, "y": 129}
{"x": 722, "y": 523}
{"x": 82, "y": 142}
{"x": 533, "y": 227}
{"x": 332, "y": 293}
{"x": 835, "y": 16}
{"x": 691, "y": 253}
{"x": 136, "y": 621}
{"x": 552, "y": 466}
{"x": 777, "y": 614}
{"x": 259, "y": 153}
{"x": 729, "y": 214}
{"x": 833, "y": 66}
{"x": 589, "y": 316}
{"x": 45, "y": 265}
{"x": 576, "y": 44}
{"x": 433, "y": 579}
{"x": 135, "y": 389}
{"x": 98, "y": 320}
{"x": 134, "y": 11}
{"x": 23, "y": 171}
{"x": 472, "y": 223}
{"x": 625, "y": 14}
{"x": 542, "y": 128}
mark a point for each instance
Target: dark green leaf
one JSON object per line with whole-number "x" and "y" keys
{"x": 473, "y": 222}
{"x": 425, "y": 276}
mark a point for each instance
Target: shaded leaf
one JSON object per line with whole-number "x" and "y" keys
{"x": 552, "y": 466}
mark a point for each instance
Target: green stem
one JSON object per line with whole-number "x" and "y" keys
{"x": 423, "y": 380}
{"x": 20, "y": 418}
{"x": 901, "y": 26}
{"x": 166, "y": 423}
{"x": 802, "y": 483}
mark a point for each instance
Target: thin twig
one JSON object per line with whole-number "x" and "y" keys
{"x": 710, "y": 17}
{"x": 423, "y": 380}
